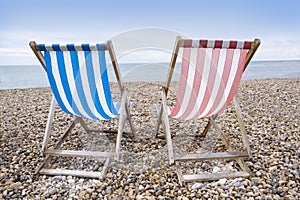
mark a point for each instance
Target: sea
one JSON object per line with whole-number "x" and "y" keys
{"x": 34, "y": 76}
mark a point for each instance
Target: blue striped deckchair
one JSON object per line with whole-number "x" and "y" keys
{"x": 79, "y": 82}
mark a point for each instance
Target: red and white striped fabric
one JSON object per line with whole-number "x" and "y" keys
{"x": 210, "y": 75}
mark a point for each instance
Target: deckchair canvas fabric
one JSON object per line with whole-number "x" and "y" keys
{"x": 79, "y": 80}
{"x": 210, "y": 74}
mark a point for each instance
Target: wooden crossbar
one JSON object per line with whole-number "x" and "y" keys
{"x": 102, "y": 131}
{"x": 214, "y": 176}
{"x": 79, "y": 173}
{"x": 108, "y": 131}
{"x": 212, "y": 156}
{"x": 66, "y": 172}
{"x": 72, "y": 153}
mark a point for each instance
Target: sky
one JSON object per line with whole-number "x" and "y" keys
{"x": 145, "y": 30}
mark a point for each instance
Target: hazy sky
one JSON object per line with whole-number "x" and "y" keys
{"x": 275, "y": 22}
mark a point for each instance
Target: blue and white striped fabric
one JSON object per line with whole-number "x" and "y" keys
{"x": 79, "y": 80}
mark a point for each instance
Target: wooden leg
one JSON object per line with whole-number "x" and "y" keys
{"x": 167, "y": 128}
{"x": 158, "y": 123}
{"x": 49, "y": 124}
{"x": 207, "y": 127}
{"x": 105, "y": 168}
{"x": 129, "y": 119}
{"x": 122, "y": 120}
{"x": 83, "y": 124}
{"x": 241, "y": 124}
{"x": 179, "y": 173}
{"x": 221, "y": 134}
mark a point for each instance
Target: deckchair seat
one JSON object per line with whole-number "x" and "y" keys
{"x": 211, "y": 71}
{"x": 79, "y": 80}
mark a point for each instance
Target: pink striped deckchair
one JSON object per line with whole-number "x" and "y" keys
{"x": 210, "y": 75}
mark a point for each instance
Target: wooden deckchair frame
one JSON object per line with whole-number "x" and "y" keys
{"x": 232, "y": 153}
{"x": 124, "y": 116}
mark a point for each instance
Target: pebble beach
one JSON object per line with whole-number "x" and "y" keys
{"x": 271, "y": 111}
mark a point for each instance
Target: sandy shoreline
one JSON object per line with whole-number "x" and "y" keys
{"x": 271, "y": 113}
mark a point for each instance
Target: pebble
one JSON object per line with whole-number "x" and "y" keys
{"x": 14, "y": 185}
{"x": 223, "y": 195}
{"x": 141, "y": 187}
{"x": 71, "y": 181}
{"x": 52, "y": 191}
{"x": 197, "y": 185}
{"x": 222, "y": 181}
{"x": 270, "y": 110}
{"x": 273, "y": 168}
